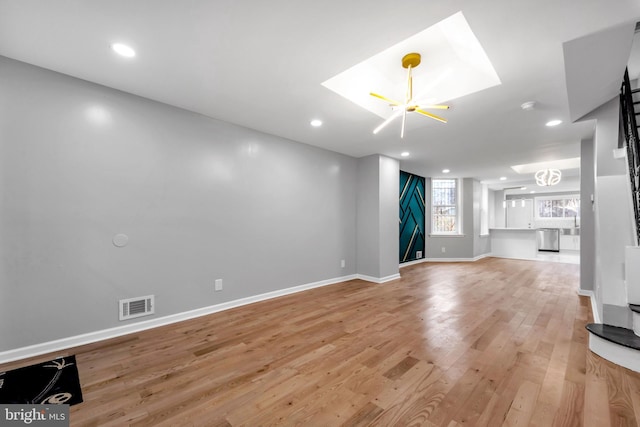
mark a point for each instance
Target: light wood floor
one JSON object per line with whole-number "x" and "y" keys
{"x": 490, "y": 343}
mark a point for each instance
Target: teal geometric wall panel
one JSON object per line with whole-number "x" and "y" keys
{"x": 412, "y": 211}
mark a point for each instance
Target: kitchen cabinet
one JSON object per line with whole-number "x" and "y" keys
{"x": 569, "y": 243}
{"x": 519, "y": 243}
{"x": 519, "y": 213}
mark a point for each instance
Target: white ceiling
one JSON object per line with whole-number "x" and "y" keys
{"x": 261, "y": 65}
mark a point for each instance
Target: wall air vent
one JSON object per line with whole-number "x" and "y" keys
{"x": 136, "y": 307}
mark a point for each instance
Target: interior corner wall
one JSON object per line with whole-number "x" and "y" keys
{"x": 389, "y": 216}
{"x": 481, "y": 243}
{"x": 199, "y": 200}
{"x": 587, "y": 220}
{"x": 492, "y": 209}
{"x": 378, "y": 180}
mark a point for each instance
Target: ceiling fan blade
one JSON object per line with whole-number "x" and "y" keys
{"x": 386, "y": 122}
{"x": 384, "y": 98}
{"x": 439, "y": 107}
{"x": 433, "y": 116}
{"x": 404, "y": 120}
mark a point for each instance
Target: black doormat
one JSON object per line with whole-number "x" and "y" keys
{"x": 53, "y": 382}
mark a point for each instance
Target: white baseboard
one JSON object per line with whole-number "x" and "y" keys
{"x": 474, "y": 259}
{"x": 414, "y": 262}
{"x": 378, "y": 279}
{"x": 594, "y": 306}
{"x": 515, "y": 257}
{"x": 91, "y": 337}
{"x": 420, "y": 261}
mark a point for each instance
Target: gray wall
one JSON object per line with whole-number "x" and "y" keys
{"x": 378, "y": 182}
{"x": 368, "y": 220}
{"x": 198, "y": 198}
{"x": 587, "y": 221}
{"x": 499, "y": 211}
{"x": 481, "y": 243}
{"x": 469, "y": 244}
{"x": 389, "y": 228}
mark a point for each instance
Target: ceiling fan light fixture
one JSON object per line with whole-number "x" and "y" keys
{"x": 548, "y": 177}
{"x": 409, "y": 61}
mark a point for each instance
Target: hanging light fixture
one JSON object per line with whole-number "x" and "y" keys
{"x": 548, "y": 177}
{"x": 409, "y": 61}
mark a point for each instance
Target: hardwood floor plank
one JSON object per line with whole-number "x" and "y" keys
{"x": 571, "y": 407}
{"x": 620, "y": 401}
{"x": 364, "y": 416}
{"x": 485, "y": 343}
{"x": 596, "y": 396}
{"x": 543, "y": 414}
{"x": 399, "y": 369}
{"x": 419, "y": 377}
{"x": 523, "y": 405}
{"x": 427, "y": 395}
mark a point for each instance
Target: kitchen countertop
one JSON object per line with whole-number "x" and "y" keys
{"x": 511, "y": 229}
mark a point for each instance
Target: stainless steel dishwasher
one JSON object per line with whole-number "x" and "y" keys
{"x": 548, "y": 239}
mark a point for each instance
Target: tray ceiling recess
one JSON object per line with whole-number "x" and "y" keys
{"x": 453, "y": 64}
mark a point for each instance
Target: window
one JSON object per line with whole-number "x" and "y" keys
{"x": 558, "y": 207}
{"x": 445, "y": 209}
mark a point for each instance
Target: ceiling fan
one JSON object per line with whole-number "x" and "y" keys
{"x": 409, "y": 61}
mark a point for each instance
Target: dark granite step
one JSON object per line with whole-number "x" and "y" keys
{"x": 635, "y": 307}
{"x": 615, "y": 334}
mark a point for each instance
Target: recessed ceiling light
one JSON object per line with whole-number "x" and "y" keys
{"x": 445, "y": 171}
{"x": 553, "y": 123}
{"x": 503, "y": 178}
{"x": 316, "y": 123}
{"x": 404, "y": 154}
{"x": 123, "y": 50}
{"x": 531, "y": 192}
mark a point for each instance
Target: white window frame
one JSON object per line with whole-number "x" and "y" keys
{"x": 458, "y": 207}
{"x": 560, "y": 197}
